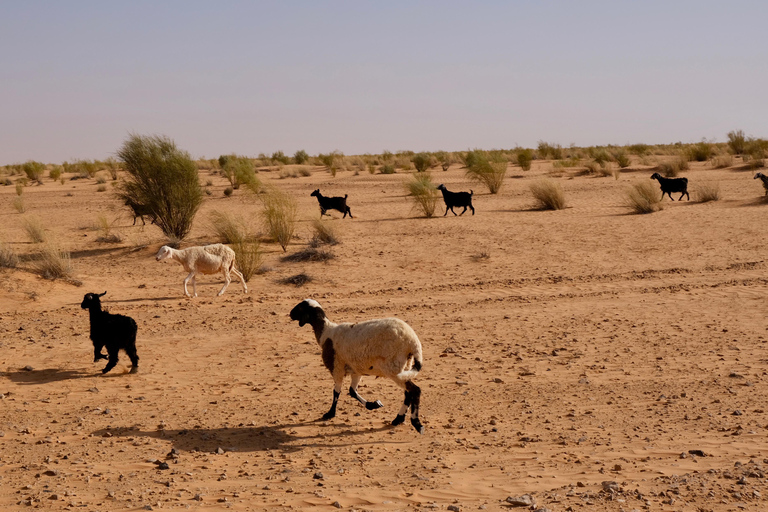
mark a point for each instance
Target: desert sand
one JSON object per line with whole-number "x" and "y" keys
{"x": 588, "y": 358}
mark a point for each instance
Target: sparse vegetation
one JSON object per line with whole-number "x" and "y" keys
{"x": 34, "y": 228}
{"x": 489, "y": 170}
{"x": 247, "y": 256}
{"x": 387, "y": 169}
{"x": 643, "y": 197}
{"x": 105, "y": 230}
{"x": 8, "y": 258}
{"x": 165, "y": 179}
{"x": 297, "y": 280}
{"x": 300, "y": 157}
{"x": 548, "y": 195}
{"x": 309, "y": 254}
{"x": 52, "y": 262}
{"x": 737, "y": 142}
{"x": 239, "y": 170}
{"x": 423, "y": 193}
{"x": 18, "y": 204}
{"x": 34, "y": 170}
{"x": 622, "y": 159}
{"x": 55, "y": 173}
{"x": 707, "y": 192}
{"x": 700, "y": 152}
{"x": 721, "y": 161}
{"x": 279, "y": 214}
{"x": 229, "y": 229}
{"x": 673, "y": 167}
{"x": 421, "y": 162}
{"x": 525, "y": 158}
{"x": 323, "y": 233}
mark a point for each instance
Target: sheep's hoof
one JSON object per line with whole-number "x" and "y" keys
{"x": 134, "y": 369}
{"x": 328, "y": 416}
{"x": 399, "y": 419}
{"x": 417, "y": 425}
{"x": 373, "y": 405}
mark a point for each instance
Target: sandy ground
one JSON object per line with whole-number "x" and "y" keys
{"x": 588, "y": 358}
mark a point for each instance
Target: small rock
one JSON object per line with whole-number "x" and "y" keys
{"x": 697, "y": 453}
{"x": 610, "y": 486}
{"x": 28, "y": 368}
{"x": 163, "y": 465}
{"x": 219, "y": 450}
{"x": 454, "y": 508}
{"x": 336, "y": 504}
{"x": 51, "y": 472}
{"x": 318, "y": 476}
{"x": 198, "y": 497}
{"x": 736, "y": 413}
{"x": 148, "y": 507}
{"x": 520, "y": 501}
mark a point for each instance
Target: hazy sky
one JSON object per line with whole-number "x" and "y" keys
{"x": 76, "y": 77}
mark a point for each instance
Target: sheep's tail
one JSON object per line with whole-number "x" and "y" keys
{"x": 415, "y": 369}
{"x": 471, "y": 192}
{"x": 346, "y": 196}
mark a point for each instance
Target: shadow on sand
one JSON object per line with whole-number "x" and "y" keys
{"x": 27, "y": 377}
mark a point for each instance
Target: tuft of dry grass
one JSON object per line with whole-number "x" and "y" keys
{"x": 674, "y": 167}
{"x": 548, "y": 194}
{"x": 721, "y": 161}
{"x": 52, "y": 262}
{"x": 489, "y": 173}
{"x": 18, "y": 204}
{"x": 423, "y": 193}
{"x": 323, "y": 233}
{"x": 279, "y": 214}
{"x": 8, "y": 258}
{"x": 105, "y": 228}
{"x": 35, "y": 229}
{"x": 229, "y": 228}
{"x": 247, "y": 257}
{"x": 309, "y": 254}
{"x": 297, "y": 280}
{"x": 643, "y": 197}
{"x": 707, "y": 192}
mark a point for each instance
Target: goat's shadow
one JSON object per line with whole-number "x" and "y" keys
{"x": 29, "y": 377}
{"x": 248, "y": 439}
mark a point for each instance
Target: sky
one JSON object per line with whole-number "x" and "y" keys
{"x": 250, "y": 77}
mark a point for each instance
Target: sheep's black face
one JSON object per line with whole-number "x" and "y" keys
{"x": 307, "y": 312}
{"x": 92, "y": 300}
{"x": 315, "y": 193}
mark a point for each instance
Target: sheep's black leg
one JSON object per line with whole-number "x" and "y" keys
{"x": 473, "y": 209}
{"x": 354, "y": 394}
{"x": 404, "y": 408}
{"x": 684, "y": 194}
{"x": 332, "y": 412}
{"x": 446, "y": 209}
{"x": 134, "y": 357}
{"x": 112, "y": 362}
{"x": 415, "y": 402}
{"x": 97, "y": 353}
{"x": 463, "y": 211}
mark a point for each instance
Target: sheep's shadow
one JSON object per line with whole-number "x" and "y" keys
{"x": 29, "y": 377}
{"x": 247, "y": 439}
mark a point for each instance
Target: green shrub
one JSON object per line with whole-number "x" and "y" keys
{"x": 639, "y": 149}
{"x": 387, "y": 169}
{"x": 55, "y": 173}
{"x": 423, "y": 193}
{"x": 300, "y": 157}
{"x": 737, "y": 142}
{"x": 524, "y": 158}
{"x": 489, "y": 173}
{"x": 238, "y": 170}
{"x": 700, "y": 152}
{"x": 165, "y": 179}
{"x": 33, "y": 170}
{"x": 421, "y": 162}
{"x": 643, "y": 197}
{"x": 622, "y": 159}
{"x": 444, "y": 158}
{"x": 673, "y": 167}
{"x": 546, "y": 150}
{"x": 279, "y": 214}
{"x": 755, "y": 152}
{"x": 548, "y": 195}
{"x": 83, "y": 168}
{"x": 247, "y": 256}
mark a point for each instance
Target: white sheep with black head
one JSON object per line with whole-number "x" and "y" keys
{"x": 387, "y": 347}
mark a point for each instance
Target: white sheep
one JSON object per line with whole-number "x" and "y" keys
{"x": 387, "y": 347}
{"x": 209, "y": 259}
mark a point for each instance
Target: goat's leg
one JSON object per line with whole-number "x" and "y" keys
{"x": 473, "y": 209}
{"x": 684, "y": 194}
{"x": 349, "y": 210}
{"x": 354, "y": 394}
{"x": 134, "y": 220}
{"x": 463, "y": 211}
{"x": 446, "y": 211}
{"x": 112, "y": 360}
{"x": 415, "y": 402}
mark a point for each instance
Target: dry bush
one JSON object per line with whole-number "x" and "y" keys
{"x": 55, "y": 173}
{"x": 423, "y": 193}
{"x": 247, "y": 257}
{"x": 737, "y": 142}
{"x": 20, "y": 188}
{"x": 622, "y": 159}
{"x": 700, "y": 152}
{"x": 548, "y": 194}
{"x": 34, "y": 170}
{"x": 387, "y": 169}
{"x": 229, "y": 228}
{"x": 279, "y": 214}
{"x": 673, "y": 167}
{"x": 422, "y": 161}
{"x": 323, "y": 233}
{"x": 35, "y": 229}
{"x": 721, "y": 161}
{"x": 52, "y": 262}
{"x": 490, "y": 172}
{"x": 706, "y": 192}
{"x": 105, "y": 229}
{"x": 239, "y": 170}
{"x": 309, "y": 254}
{"x": 8, "y": 258}
{"x": 643, "y": 197}
{"x": 297, "y": 280}
{"x": 18, "y": 204}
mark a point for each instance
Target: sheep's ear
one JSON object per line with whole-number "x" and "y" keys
{"x": 102, "y": 294}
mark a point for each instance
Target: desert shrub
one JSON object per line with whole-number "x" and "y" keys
{"x": 34, "y": 228}
{"x": 421, "y": 162}
{"x": 721, "y": 161}
{"x": 279, "y": 214}
{"x": 52, "y": 262}
{"x": 309, "y": 254}
{"x": 106, "y": 235}
{"x": 330, "y": 160}
{"x": 755, "y": 152}
{"x": 488, "y": 172}
{"x": 600, "y": 155}
{"x": 548, "y": 195}
{"x": 238, "y": 170}
{"x": 165, "y": 179}
{"x": 19, "y": 188}
{"x": 470, "y": 158}
{"x": 673, "y": 167}
{"x": 229, "y": 228}
{"x": 622, "y": 159}
{"x": 323, "y": 233}
{"x": 18, "y": 204}
{"x": 101, "y": 179}
{"x": 700, "y": 152}
{"x": 546, "y": 150}
{"x": 55, "y": 173}
{"x": 247, "y": 256}
{"x": 639, "y": 149}
{"x": 8, "y": 258}
{"x": 706, "y": 192}
{"x": 33, "y": 170}
{"x": 387, "y": 169}
{"x": 83, "y": 168}
{"x": 297, "y": 280}
{"x": 737, "y": 142}
{"x": 524, "y": 158}
{"x": 101, "y": 188}
{"x": 112, "y": 166}
{"x": 643, "y": 197}
{"x": 300, "y": 157}
{"x": 281, "y": 158}
{"x": 423, "y": 193}
{"x": 306, "y": 172}
{"x": 444, "y": 158}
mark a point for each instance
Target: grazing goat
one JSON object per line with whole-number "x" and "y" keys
{"x": 209, "y": 259}
{"x": 764, "y": 179}
{"x": 139, "y": 210}
{"x": 385, "y": 348}
{"x": 456, "y": 199}
{"x": 332, "y": 203}
{"x": 669, "y": 185}
{"x": 116, "y": 332}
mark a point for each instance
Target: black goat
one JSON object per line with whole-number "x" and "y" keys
{"x": 140, "y": 210}
{"x": 332, "y": 203}
{"x": 112, "y": 331}
{"x": 764, "y": 179}
{"x": 456, "y": 199}
{"x": 669, "y": 185}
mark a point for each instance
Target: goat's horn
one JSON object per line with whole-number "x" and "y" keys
{"x": 102, "y": 294}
